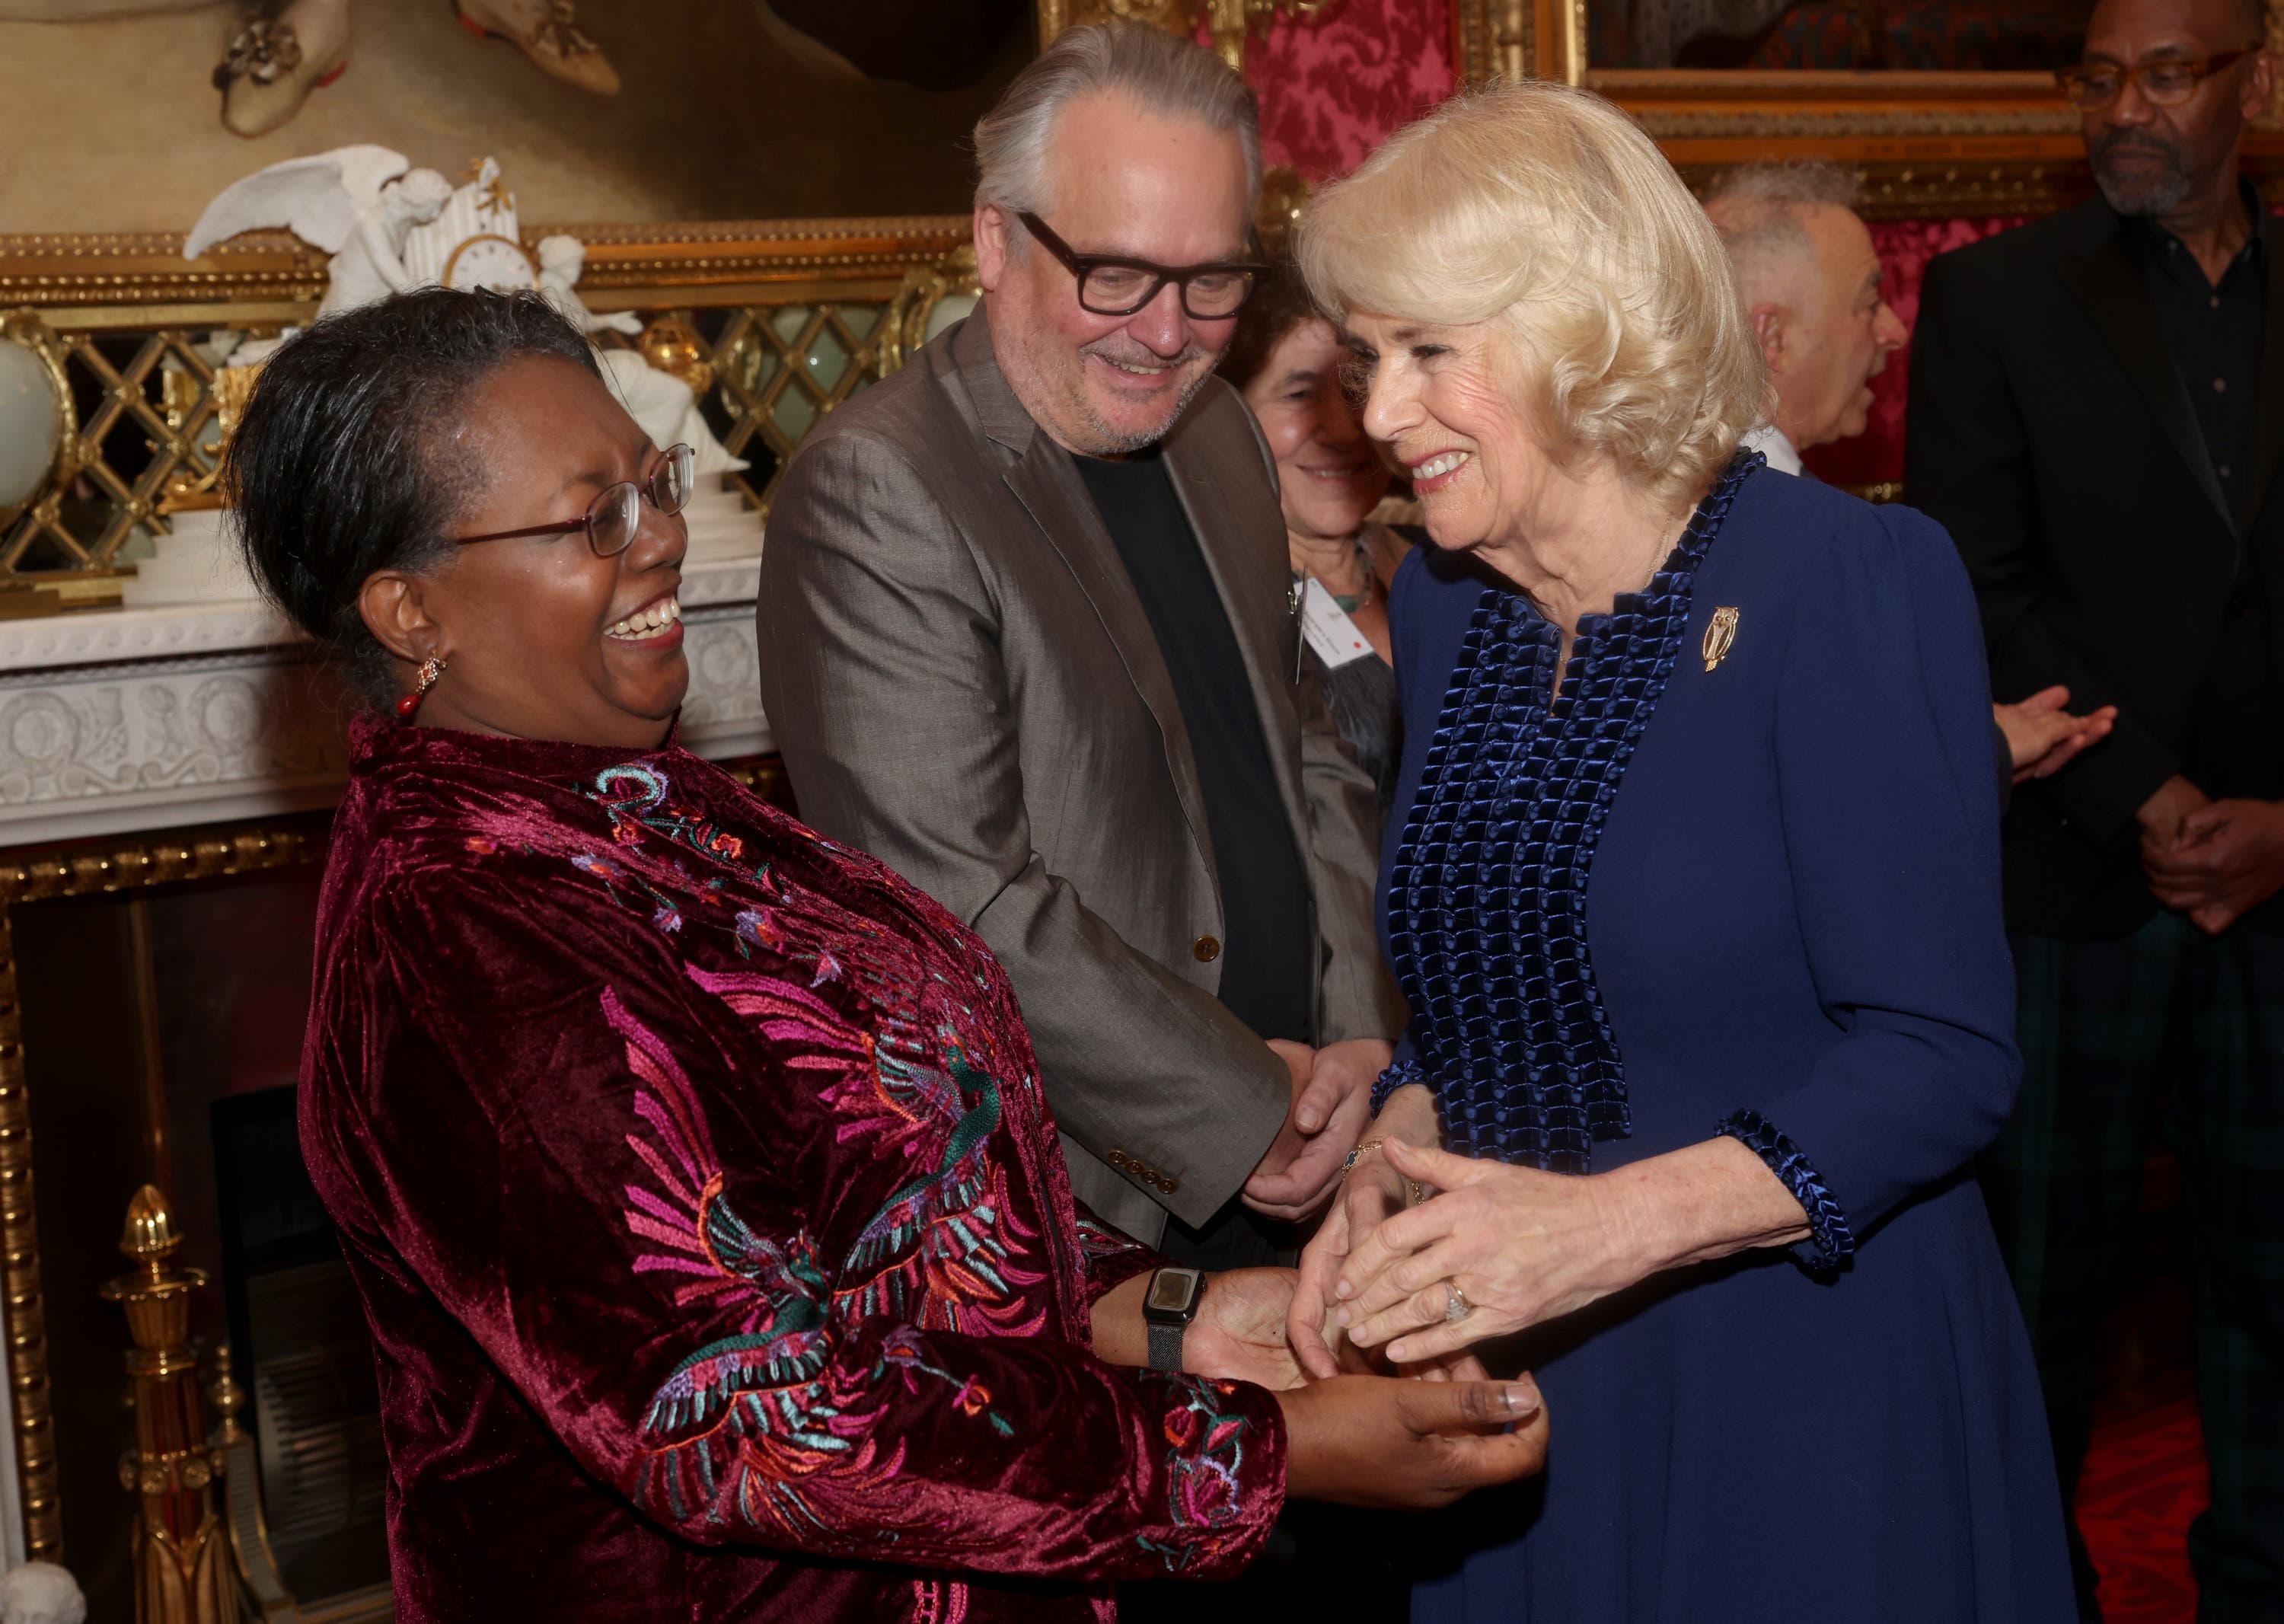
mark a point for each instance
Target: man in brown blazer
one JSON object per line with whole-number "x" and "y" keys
{"x": 1025, "y": 635}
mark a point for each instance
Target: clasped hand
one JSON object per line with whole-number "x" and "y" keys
{"x": 1352, "y": 1440}
{"x": 1522, "y": 1246}
{"x": 1331, "y": 1101}
{"x": 2215, "y": 861}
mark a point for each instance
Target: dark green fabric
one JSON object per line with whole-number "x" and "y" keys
{"x": 2167, "y": 1024}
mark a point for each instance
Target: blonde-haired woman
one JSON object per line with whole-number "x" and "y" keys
{"x": 1692, "y": 885}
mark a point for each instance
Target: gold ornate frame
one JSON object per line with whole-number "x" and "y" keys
{"x": 802, "y": 297}
{"x": 79, "y": 870}
{"x": 1930, "y": 144}
{"x": 113, "y": 280}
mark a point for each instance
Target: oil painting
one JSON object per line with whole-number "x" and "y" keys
{"x": 126, "y": 115}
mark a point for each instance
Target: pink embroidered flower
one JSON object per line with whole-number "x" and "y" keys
{"x": 729, "y": 845}
{"x": 1209, "y": 1499}
{"x": 753, "y": 926}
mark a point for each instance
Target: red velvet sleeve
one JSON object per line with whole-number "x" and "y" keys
{"x": 1112, "y": 1257}
{"x": 623, "y": 1189}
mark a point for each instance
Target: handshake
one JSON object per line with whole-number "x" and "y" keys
{"x": 1409, "y": 1439}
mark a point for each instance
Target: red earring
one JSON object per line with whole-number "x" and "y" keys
{"x": 431, "y": 668}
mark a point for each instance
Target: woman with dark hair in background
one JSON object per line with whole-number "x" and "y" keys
{"x": 1285, "y": 361}
{"x": 712, "y": 1230}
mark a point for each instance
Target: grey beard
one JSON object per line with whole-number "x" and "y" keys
{"x": 2157, "y": 195}
{"x": 1107, "y": 442}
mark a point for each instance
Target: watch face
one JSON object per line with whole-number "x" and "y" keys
{"x": 488, "y": 262}
{"x": 1172, "y": 1291}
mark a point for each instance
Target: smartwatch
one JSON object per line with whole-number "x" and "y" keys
{"x": 1167, "y": 1308}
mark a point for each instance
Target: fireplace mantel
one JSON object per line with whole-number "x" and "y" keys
{"x": 119, "y": 720}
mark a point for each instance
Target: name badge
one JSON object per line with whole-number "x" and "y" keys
{"x": 1328, "y": 629}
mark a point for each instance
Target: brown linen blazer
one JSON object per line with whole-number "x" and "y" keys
{"x": 964, "y": 685}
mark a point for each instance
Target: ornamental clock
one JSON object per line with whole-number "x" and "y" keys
{"x": 496, "y": 263}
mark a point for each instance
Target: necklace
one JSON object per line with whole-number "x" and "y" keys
{"x": 1351, "y": 602}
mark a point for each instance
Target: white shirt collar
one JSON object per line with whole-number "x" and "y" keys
{"x": 1769, "y": 440}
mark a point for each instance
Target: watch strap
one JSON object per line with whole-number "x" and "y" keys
{"x": 1165, "y": 1346}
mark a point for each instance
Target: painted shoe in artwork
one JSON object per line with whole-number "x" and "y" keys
{"x": 548, "y": 32}
{"x": 276, "y": 57}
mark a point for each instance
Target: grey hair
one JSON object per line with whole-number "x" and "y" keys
{"x": 1166, "y": 74}
{"x": 1756, "y": 207}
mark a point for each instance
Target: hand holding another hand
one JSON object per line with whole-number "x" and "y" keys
{"x": 1240, "y": 1332}
{"x": 1367, "y": 1440}
{"x": 1332, "y": 1099}
{"x": 1521, "y": 1245}
{"x": 1368, "y": 1196}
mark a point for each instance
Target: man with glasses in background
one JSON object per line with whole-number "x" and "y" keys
{"x": 1025, "y": 638}
{"x": 2097, "y": 415}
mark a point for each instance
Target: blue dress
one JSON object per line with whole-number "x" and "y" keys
{"x": 1760, "y": 900}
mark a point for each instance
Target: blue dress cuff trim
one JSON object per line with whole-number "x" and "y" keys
{"x": 1831, "y": 1243}
{"x": 1403, "y": 1075}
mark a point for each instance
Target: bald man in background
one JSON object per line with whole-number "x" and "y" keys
{"x": 2097, "y": 416}
{"x": 1810, "y": 280}
{"x": 1811, "y": 283}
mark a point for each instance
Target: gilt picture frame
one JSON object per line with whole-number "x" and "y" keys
{"x": 1931, "y": 143}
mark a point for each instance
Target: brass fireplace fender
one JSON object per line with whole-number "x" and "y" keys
{"x": 38, "y": 875}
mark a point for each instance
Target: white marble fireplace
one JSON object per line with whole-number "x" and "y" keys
{"x": 192, "y": 714}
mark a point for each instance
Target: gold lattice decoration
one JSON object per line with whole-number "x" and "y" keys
{"x": 148, "y": 430}
{"x": 768, "y": 373}
{"x": 145, "y": 420}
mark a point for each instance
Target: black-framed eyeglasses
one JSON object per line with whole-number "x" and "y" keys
{"x": 1110, "y": 285}
{"x": 612, "y": 518}
{"x": 2162, "y": 84}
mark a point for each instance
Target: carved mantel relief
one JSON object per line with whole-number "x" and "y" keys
{"x": 148, "y": 719}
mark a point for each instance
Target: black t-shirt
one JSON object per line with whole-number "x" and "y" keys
{"x": 1267, "y": 976}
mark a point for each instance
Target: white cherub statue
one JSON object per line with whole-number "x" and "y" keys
{"x": 561, "y": 260}
{"x": 357, "y": 203}
{"x": 40, "y": 1593}
{"x": 666, "y": 409}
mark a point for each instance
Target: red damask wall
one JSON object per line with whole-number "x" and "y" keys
{"x": 1333, "y": 88}
{"x": 1905, "y": 246}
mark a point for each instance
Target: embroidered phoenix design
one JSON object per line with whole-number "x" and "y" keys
{"x": 766, "y": 1410}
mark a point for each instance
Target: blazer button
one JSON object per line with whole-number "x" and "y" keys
{"x": 1119, "y": 1159}
{"x": 1205, "y": 949}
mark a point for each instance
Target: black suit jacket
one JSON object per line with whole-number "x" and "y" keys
{"x": 2049, "y": 431}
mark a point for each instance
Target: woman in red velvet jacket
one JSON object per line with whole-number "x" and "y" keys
{"x": 711, "y": 1227}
